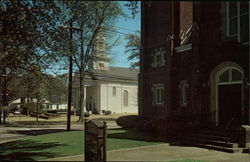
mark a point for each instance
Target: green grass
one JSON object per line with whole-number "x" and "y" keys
{"x": 67, "y": 143}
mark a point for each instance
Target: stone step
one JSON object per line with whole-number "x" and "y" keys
{"x": 214, "y": 132}
{"x": 213, "y": 147}
{"x": 213, "y": 142}
{"x": 211, "y": 137}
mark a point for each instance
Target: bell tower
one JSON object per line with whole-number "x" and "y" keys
{"x": 99, "y": 61}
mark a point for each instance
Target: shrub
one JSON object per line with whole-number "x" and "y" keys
{"x": 128, "y": 121}
{"x": 86, "y": 114}
{"x": 108, "y": 112}
{"x": 103, "y": 111}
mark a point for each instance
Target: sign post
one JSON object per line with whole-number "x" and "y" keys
{"x": 95, "y": 141}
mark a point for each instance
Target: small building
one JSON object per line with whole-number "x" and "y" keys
{"x": 19, "y": 103}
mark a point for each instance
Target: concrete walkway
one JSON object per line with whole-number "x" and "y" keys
{"x": 14, "y": 133}
{"x": 165, "y": 152}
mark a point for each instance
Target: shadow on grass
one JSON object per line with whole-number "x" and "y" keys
{"x": 133, "y": 134}
{"x": 20, "y": 123}
{"x": 26, "y": 150}
{"x": 37, "y": 132}
{"x": 136, "y": 135}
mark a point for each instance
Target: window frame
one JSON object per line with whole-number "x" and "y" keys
{"x": 238, "y": 34}
{"x": 158, "y": 98}
{"x": 158, "y": 53}
{"x": 125, "y": 98}
{"x": 183, "y": 86}
{"x": 114, "y": 91}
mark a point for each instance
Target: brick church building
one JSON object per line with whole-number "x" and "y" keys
{"x": 195, "y": 61}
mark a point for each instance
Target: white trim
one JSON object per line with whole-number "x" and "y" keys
{"x": 158, "y": 57}
{"x": 184, "y": 48}
{"x": 155, "y": 96}
{"x": 230, "y": 75}
{"x": 183, "y": 91}
{"x": 230, "y": 82}
{"x": 238, "y": 21}
{"x": 227, "y": 15}
{"x": 219, "y": 69}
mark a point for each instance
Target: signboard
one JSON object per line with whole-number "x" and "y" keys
{"x": 95, "y": 140}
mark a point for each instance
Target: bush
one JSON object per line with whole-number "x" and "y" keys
{"x": 128, "y": 121}
{"x": 103, "y": 111}
{"x": 108, "y": 112}
{"x": 86, "y": 114}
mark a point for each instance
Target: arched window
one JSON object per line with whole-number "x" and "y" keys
{"x": 114, "y": 91}
{"x": 230, "y": 75}
{"x": 125, "y": 98}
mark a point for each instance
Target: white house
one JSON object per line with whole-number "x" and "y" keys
{"x": 105, "y": 87}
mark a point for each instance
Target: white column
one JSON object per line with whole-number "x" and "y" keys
{"x": 84, "y": 100}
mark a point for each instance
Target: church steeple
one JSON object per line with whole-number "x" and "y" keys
{"x": 100, "y": 60}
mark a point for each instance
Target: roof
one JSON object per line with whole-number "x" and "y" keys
{"x": 116, "y": 73}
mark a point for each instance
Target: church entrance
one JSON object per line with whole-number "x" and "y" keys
{"x": 229, "y": 97}
{"x": 230, "y": 104}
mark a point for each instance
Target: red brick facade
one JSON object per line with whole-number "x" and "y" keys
{"x": 209, "y": 48}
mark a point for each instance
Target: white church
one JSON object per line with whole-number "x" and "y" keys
{"x": 111, "y": 88}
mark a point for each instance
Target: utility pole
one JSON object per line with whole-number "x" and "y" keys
{"x": 1, "y": 97}
{"x": 70, "y": 78}
{"x": 81, "y": 87}
{"x": 249, "y": 69}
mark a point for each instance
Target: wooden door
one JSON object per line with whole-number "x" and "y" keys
{"x": 230, "y": 104}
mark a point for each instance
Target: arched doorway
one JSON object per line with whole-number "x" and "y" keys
{"x": 227, "y": 94}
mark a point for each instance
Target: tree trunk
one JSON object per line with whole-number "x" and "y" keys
{"x": 70, "y": 80}
{"x": 81, "y": 97}
{"x": 1, "y": 97}
{"x": 5, "y": 100}
{"x": 81, "y": 113}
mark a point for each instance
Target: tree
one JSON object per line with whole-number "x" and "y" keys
{"x": 91, "y": 20}
{"x": 27, "y": 29}
{"x": 133, "y": 47}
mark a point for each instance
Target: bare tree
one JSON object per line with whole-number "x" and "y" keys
{"x": 91, "y": 18}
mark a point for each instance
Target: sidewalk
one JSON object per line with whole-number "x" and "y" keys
{"x": 165, "y": 152}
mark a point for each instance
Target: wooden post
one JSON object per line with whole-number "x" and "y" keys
{"x": 104, "y": 141}
{"x": 85, "y": 141}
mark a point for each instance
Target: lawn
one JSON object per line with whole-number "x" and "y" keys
{"x": 67, "y": 143}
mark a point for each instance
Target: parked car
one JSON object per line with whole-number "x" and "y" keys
{"x": 16, "y": 112}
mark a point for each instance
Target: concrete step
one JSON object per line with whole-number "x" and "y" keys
{"x": 213, "y": 142}
{"x": 213, "y": 147}
{"x": 214, "y": 132}
{"x": 211, "y": 137}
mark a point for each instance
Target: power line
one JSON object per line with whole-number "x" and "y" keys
{"x": 111, "y": 30}
{"x": 124, "y": 28}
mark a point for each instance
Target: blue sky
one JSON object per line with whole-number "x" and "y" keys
{"x": 124, "y": 25}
